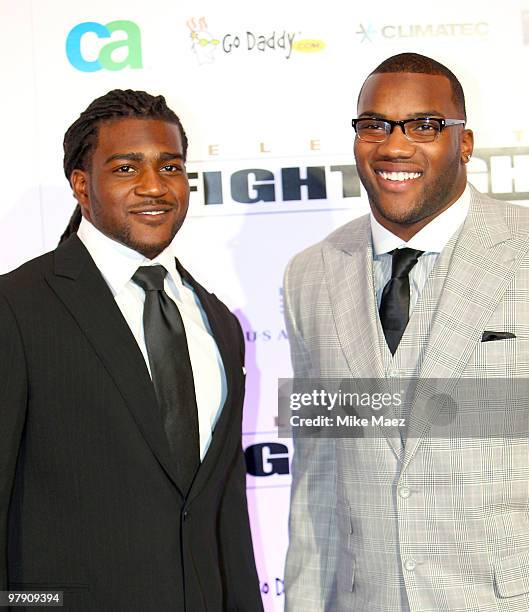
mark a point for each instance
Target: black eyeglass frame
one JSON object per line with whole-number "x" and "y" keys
{"x": 401, "y": 123}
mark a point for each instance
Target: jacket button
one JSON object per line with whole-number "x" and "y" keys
{"x": 410, "y": 565}
{"x": 185, "y": 515}
{"x": 404, "y": 492}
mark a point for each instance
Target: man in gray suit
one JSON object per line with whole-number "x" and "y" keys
{"x": 433, "y": 284}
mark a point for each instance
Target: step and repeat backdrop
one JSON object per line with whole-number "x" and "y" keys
{"x": 266, "y": 92}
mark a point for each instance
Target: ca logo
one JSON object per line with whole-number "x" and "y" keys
{"x": 132, "y": 42}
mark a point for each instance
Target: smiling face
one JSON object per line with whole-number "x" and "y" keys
{"x": 410, "y": 183}
{"x": 136, "y": 189}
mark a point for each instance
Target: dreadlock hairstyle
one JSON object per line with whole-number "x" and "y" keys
{"x": 81, "y": 137}
{"x": 420, "y": 64}
{"x": 73, "y": 224}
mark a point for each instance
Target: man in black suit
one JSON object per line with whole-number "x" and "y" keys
{"x": 122, "y": 477}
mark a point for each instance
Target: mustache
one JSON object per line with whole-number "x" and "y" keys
{"x": 152, "y": 205}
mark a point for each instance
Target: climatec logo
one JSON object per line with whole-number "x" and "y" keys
{"x": 89, "y": 55}
{"x": 369, "y": 33}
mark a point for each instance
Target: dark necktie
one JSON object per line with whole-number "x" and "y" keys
{"x": 171, "y": 372}
{"x": 395, "y": 302}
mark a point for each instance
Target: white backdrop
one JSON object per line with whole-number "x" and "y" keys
{"x": 266, "y": 92}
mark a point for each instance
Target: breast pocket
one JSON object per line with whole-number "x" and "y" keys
{"x": 511, "y": 575}
{"x": 508, "y": 357}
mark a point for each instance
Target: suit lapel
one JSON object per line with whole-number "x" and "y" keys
{"x": 228, "y": 346}
{"x": 79, "y": 285}
{"x": 483, "y": 263}
{"x": 348, "y": 261}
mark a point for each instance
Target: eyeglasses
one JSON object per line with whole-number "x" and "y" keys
{"x": 421, "y": 129}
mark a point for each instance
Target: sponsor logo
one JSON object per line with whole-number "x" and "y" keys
{"x": 370, "y": 33}
{"x": 283, "y": 43}
{"x": 308, "y": 45}
{"x": 267, "y": 459}
{"x": 86, "y": 52}
{"x": 263, "y": 185}
{"x": 503, "y": 173}
{"x": 265, "y": 335}
{"x": 203, "y": 44}
{"x": 276, "y": 588}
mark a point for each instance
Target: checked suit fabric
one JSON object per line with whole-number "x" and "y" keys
{"x": 442, "y": 523}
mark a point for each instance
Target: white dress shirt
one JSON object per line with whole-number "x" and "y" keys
{"x": 431, "y": 239}
{"x": 118, "y": 263}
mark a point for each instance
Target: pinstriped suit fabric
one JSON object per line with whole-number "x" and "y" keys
{"x": 459, "y": 539}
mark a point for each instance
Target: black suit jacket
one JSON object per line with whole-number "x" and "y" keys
{"x": 89, "y": 502}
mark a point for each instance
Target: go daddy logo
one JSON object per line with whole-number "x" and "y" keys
{"x": 87, "y": 48}
{"x": 206, "y": 45}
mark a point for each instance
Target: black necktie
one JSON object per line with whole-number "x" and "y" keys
{"x": 171, "y": 371}
{"x": 395, "y": 302}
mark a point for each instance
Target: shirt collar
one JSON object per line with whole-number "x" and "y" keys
{"x": 432, "y": 238}
{"x": 117, "y": 262}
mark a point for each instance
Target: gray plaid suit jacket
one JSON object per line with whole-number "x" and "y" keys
{"x": 442, "y": 523}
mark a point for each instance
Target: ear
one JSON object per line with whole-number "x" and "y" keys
{"x": 79, "y": 182}
{"x": 467, "y": 145}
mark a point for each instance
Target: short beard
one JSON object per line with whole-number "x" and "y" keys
{"x": 149, "y": 251}
{"x": 434, "y": 197}
{"x": 122, "y": 234}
